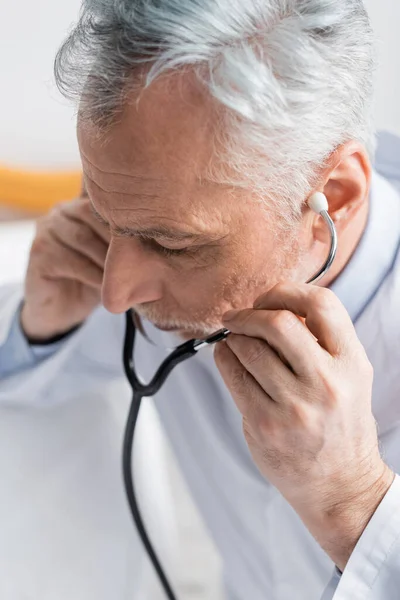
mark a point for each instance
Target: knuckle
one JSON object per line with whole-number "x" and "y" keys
{"x": 260, "y": 428}
{"x": 282, "y": 320}
{"x": 266, "y": 431}
{"x": 332, "y": 392}
{"x": 323, "y": 299}
{"x": 282, "y": 287}
{"x": 40, "y": 245}
{"x": 265, "y": 426}
{"x": 300, "y": 416}
{"x": 331, "y": 403}
{"x": 58, "y": 209}
{"x": 279, "y": 289}
{"x": 245, "y": 316}
{"x": 254, "y": 352}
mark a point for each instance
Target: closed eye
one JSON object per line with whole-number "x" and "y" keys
{"x": 172, "y": 251}
{"x": 155, "y": 246}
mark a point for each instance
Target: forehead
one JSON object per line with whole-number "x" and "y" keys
{"x": 155, "y": 160}
{"x": 163, "y": 138}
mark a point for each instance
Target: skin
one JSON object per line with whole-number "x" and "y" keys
{"x": 310, "y": 431}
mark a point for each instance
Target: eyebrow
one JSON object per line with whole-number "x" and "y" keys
{"x": 160, "y": 232}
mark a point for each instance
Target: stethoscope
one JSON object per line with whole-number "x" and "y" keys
{"x": 319, "y": 204}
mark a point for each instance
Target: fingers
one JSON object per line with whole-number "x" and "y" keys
{"x": 80, "y": 210}
{"x": 61, "y": 262}
{"x": 245, "y": 391}
{"x": 80, "y": 238}
{"x": 325, "y": 316}
{"x": 60, "y": 251}
{"x": 263, "y": 363}
{"x": 263, "y": 417}
{"x": 283, "y": 332}
{"x": 71, "y": 244}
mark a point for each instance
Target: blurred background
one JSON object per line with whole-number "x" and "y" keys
{"x": 39, "y": 165}
{"x": 39, "y": 161}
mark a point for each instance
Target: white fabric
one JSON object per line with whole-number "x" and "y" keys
{"x": 65, "y": 531}
{"x": 267, "y": 552}
{"x": 374, "y": 568}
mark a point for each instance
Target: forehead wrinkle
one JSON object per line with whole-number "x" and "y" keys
{"x": 152, "y": 209}
{"x": 203, "y": 179}
{"x": 161, "y": 230}
{"x": 147, "y": 195}
{"x": 158, "y": 195}
{"x": 129, "y": 175}
{"x": 147, "y": 232}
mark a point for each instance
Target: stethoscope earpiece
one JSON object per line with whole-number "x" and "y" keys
{"x": 318, "y": 202}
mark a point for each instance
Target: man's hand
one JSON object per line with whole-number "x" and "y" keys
{"x": 304, "y": 389}
{"x": 65, "y": 270}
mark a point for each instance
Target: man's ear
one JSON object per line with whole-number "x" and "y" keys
{"x": 345, "y": 182}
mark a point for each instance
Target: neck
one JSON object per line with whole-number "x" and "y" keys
{"x": 348, "y": 240}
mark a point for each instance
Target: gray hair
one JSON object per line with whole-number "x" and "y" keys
{"x": 294, "y": 79}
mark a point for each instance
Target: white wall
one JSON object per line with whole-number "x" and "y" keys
{"x": 37, "y": 126}
{"x": 385, "y": 16}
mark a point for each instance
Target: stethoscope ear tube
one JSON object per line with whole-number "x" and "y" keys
{"x": 332, "y": 250}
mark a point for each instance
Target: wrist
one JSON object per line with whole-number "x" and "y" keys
{"x": 38, "y": 333}
{"x": 339, "y": 524}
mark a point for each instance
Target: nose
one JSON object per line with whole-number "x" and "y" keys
{"x": 131, "y": 276}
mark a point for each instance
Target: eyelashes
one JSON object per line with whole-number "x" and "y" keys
{"x": 168, "y": 252}
{"x": 172, "y": 251}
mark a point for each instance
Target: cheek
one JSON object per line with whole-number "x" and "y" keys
{"x": 201, "y": 293}
{"x": 256, "y": 265}
{"x": 251, "y": 261}
{"x": 256, "y": 246}
{"x": 232, "y": 278}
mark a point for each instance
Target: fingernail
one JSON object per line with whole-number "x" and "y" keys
{"x": 230, "y": 315}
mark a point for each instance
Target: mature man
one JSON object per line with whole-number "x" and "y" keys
{"x": 203, "y": 129}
